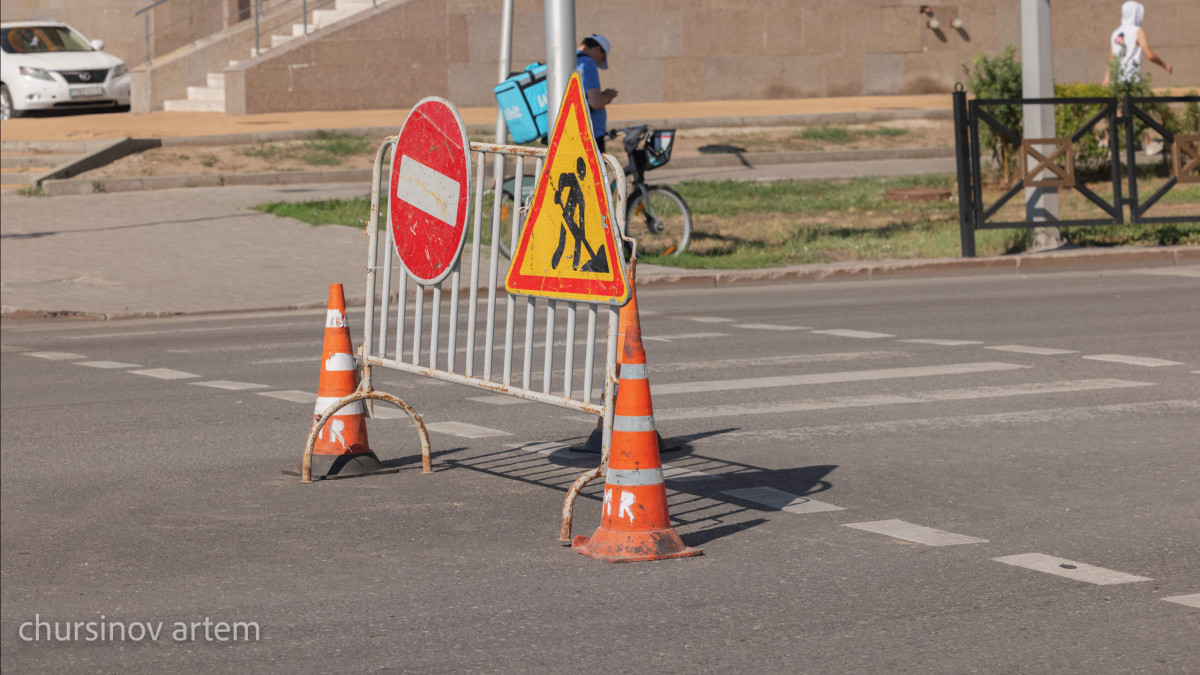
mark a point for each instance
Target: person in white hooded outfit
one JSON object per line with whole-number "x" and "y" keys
{"x": 1128, "y": 44}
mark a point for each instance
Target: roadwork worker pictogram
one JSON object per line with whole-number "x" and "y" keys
{"x": 572, "y": 206}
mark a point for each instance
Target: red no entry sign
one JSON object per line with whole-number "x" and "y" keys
{"x": 431, "y": 172}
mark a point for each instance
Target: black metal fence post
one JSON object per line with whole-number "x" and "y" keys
{"x": 962, "y": 154}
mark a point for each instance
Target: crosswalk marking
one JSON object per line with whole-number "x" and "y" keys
{"x": 1189, "y": 600}
{"x": 680, "y": 473}
{"x": 941, "y": 342}
{"x": 293, "y": 395}
{"x": 464, "y": 430}
{"x": 683, "y": 336}
{"x": 227, "y": 384}
{"x": 106, "y": 364}
{"x": 709, "y": 319}
{"x": 781, "y": 501}
{"x": 1133, "y": 360}
{"x": 1041, "y": 416}
{"x": 1040, "y": 351}
{"x": 919, "y": 534}
{"x": 860, "y": 334}
{"x": 768, "y": 326}
{"x": 829, "y": 378}
{"x": 1070, "y": 569}
{"x": 55, "y": 356}
{"x": 164, "y": 373}
{"x": 780, "y": 360}
{"x": 1035, "y": 389}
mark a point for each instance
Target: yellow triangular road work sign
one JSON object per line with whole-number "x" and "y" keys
{"x": 568, "y": 249}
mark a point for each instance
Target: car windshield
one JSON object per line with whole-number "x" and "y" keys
{"x": 41, "y": 39}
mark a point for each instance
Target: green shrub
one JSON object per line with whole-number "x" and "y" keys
{"x": 1069, "y": 117}
{"x": 998, "y": 77}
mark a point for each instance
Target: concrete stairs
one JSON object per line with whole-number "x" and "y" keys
{"x": 211, "y": 97}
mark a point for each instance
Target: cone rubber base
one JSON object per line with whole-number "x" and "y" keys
{"x": 333, "y": 467}
{"x": 618, "y": 547}
{"x": 594, "y": 442}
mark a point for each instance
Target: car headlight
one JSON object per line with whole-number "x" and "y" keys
{"x": 119, "y": 70}
{"x": 35, "y": 73}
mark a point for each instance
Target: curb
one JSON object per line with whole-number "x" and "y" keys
{"x": 84, "y": 186}
{"x": 1073, "y": 260}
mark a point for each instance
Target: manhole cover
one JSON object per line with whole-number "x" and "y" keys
{"x": 918, "y": 194}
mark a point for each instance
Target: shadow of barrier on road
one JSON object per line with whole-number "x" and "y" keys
{"x": 697, "y": 485}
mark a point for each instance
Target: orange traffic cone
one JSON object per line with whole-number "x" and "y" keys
{"x": 341, "y": 449}
{"x": 628, "y": 317}
{"x": 634, "y": 522}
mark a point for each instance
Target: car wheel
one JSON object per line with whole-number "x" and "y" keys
{"x": 6, "y": 107}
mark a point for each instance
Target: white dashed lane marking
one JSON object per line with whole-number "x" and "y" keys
{"x": 768, "y": 326}
{"x": 915, "y": 533}
{"x": 55, "y": 356}
{"x": 828, "y": 378}
{"x": 683, "y": 336}
{"x": 1040, "y": 351}
{"x": 1133, "y": 360}
{"x": 1189, "y": 600}
{"x": 164, "y": 373}
{"x": 782, "y": 501}
{"x": 942, "y": 343}
{"x": 229, "y": 385}
{"x": 106, "y": 364}
{"x": 293, "y": 395}
{"x": 1040, "y": 562}
{"x": 860, "y": 334}
{"x": 709, "y": 319}
{"x": 464, "y": 430}
{"x": 1035, "y": 389}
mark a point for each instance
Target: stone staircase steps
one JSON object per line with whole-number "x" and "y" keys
{"x": 211, "y": 98}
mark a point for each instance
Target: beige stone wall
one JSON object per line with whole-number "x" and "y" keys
{"x": 688, "y": 50}
{"x": 663, "y": 50}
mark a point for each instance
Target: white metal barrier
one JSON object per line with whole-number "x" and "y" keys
{"x": 419, "y": 328}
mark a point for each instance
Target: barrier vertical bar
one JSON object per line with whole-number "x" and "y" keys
{"x": 962, "y": 156}
{"x": 527, "y": 363}
{"x": 418, "y": 323}
{"x": 475, "y": 241}
{"x": 551, "y": 305}
{"x": 510, "y": 302}
{"x": 497, "y": 190}
{"x": 1114, "y": 147}
{"x": 452, "y": 339}
{"x": 435, "y": 325}
{"x": 569, "y": 365}
{"x": 589, "y": 354}
{"x": 1129, "y": 146}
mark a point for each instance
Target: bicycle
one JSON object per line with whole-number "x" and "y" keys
{"x": 659, "y": 209}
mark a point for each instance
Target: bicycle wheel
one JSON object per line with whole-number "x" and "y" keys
{"x": 662, "y": 225}
{"x": 504, "y": 237}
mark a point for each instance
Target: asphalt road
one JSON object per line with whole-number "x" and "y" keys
{"x": 977, "y": 474}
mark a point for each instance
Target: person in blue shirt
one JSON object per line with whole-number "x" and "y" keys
{"x": 590, "y": 59}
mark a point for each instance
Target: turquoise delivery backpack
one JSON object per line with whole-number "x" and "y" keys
{"x": 522, "y": 98}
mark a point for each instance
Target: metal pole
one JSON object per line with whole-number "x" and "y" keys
{"x": 560, "y": 53}
{"x": 256, "y": 8}
{"x": 505, "y": 64}
{"x": 1037, "y": 81}
{"x": 962, "y": 153}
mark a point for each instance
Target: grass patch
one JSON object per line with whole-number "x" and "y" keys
{"x": 740, "y": 225}
{"x": 839, "y": 135}
{"x": 325, "y": 148}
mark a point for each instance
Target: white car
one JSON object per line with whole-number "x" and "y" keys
{"x": 47, "y": 64}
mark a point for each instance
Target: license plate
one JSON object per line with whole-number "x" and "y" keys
{"x": 81, "y": 92}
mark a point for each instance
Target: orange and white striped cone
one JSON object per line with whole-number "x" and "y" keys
{"x": 341, "y": 449}
{"x": 634, "y": 522}
{"x": 628, "y": 317}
